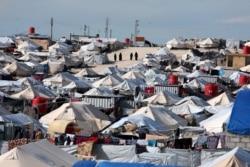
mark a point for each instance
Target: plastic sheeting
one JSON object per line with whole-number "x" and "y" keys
{"x": 240, "y": 117}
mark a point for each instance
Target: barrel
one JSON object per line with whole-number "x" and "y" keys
{"x": 127, "y": 41}
{"x": 149, "y": 90}
{"x": 243, "y": 79}
{"x": 40, "y": 104}
{"x": 246, "y": 49}
{"x": 173, "y": 80}
{"x": 31, "y": 30}
{"x": 211, "y": 89}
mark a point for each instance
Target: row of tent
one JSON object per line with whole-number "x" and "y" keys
{"x": 43, "y": 153}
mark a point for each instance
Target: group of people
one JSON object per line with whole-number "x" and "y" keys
{"x": 131, "y": 56}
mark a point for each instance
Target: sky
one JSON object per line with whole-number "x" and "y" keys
{"x": 158, "y": 20}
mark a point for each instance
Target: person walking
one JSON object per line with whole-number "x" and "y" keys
{"x": 136, "y": 56}
{"x": 115, "y": 57}
{"x": 120, "y": 56}
{"x": 131, "y": 56}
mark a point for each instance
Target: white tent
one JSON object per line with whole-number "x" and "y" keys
{"x": 108, "y": 81}
{"x": 19, "y": 69}
{"x": 162, "y": 116}
{"x": 245, "y": 68}
{"x": 140, "y": 120}
{"x": 33, "y": 91}
{"x": 21, "y": 119}
{"x": 164, "y": 97}
{"x": 99, "y": 91}
{"x": 40, "y": 153}
{"x": 61, "y": 79}
{"x": 176, "y": 44}
{"x": 237, "y": 157}
{"x": 88, "y": 117}
{"x": 216, "y": 121}
{"x": 221, "y": 99}
{"x": 208, "y": 43}
{"x": 86, "y": 72}
{"x": 133, "y": 75}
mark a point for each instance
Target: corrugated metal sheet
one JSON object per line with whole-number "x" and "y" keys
{"x": 100, "y": 102}
{"x": 209, "y": 79}
{"x": 228, "y": 72}
{"x": 171, "y": 88}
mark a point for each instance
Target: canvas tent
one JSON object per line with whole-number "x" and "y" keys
{"x": 108, "y": 81}
{"x": 60, "y": 79}
{"x": 162, "y": 116}
{"x": 237, "y": 157}
{"x": 88, "y": 117}
{"x": 40, "y": 153}
{"x": 221, "y": 99}
{"x": 19, "y": 69}
{"x": 164, "y": 97}
{"x": 216, "y": 121}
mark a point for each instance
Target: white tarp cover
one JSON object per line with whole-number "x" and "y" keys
{"x": 18, "y": 68}
{"x": 208, "y": 43}
{"x": 99, "y": 91}
{"x": 164, "y": 97}
{"x": 111, "y": 71}
{"x": 21, "y": 119}
{"x": 196, "y": 83}
{"x": 162, "y": 116}
{"x": 87, "y": 116}
{"x": 108, "y": 81}
{"x": 176, "y": 43}
{"x": 133, "y": 75}
{"x": 33, "y": 91}
{"x": 237, "y": 157}
{"x": 78, "y": 84}
{"x": 221, "y": 99}
{"x": 40, "y": 153}
{"x": 118, "y": 153}
{"x": 193, "y": 100}
{"x": 60, "y": 79}
{"x": 96, "y": 59}
{"x": 6, "y": 58}
{"x": 184, "y": 157}
{"x": 55, "y": 67}
{"x": 216, "y": 121}
{"x": 86, "y": 72}
{"x": 140, "y": 120}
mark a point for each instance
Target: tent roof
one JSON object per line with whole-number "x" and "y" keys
{"x": 59, "y": 126}
{"x": 40, "y": 153}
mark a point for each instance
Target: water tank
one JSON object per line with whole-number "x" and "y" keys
{"x": 40, "y": 104}
{"x": 149, "y": 90}
{"x": 127, "y": 41}
{"x": 211, "y": 89}
{"x": 31, "y": 30}
{"x": 246, "y": 49}
{"x": 173, "y": 80}
{"x": 243, "y": 79}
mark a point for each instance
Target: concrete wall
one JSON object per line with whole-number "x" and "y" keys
{"x": 233, "y": 141}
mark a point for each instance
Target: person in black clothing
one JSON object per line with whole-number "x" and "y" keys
{"x": 120, "y": 56}
{"x": 131, "y": 56}
{"x": 136, "y": 56}
{"x": 115, "y": 57}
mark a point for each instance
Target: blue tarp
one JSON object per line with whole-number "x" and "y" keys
{"x": 239, "y": 121}
{"x": 114, "y": 164}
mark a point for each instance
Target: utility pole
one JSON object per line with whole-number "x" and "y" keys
{"x": 136, "y": 30}
{"x": 51, "y": 28}
{"x": 107, "y": 28}
{"x": 110, "y": 34}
